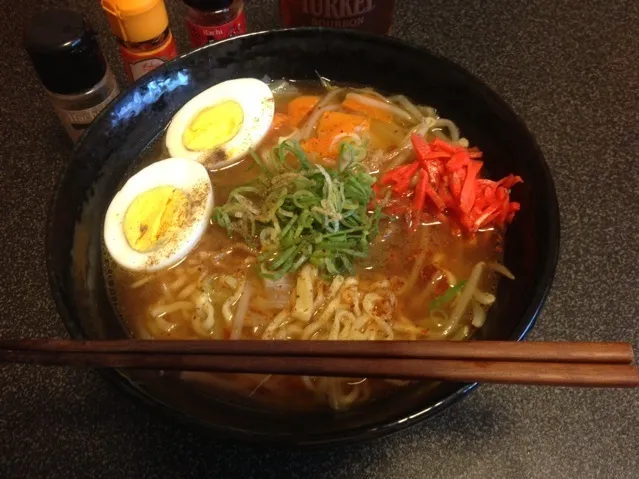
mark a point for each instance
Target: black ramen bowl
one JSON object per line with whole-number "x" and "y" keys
{"x": 139, "y": 115}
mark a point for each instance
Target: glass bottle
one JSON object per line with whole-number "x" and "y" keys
{"x": 67, "y": 58}
{"x": 373, "y": 16}
{"x": 143, "y": 33}
{"x": 209, "y": 21}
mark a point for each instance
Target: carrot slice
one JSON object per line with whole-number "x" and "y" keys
{"x": 486, "y": 216}
{"x": 455, "y": 185}
{"x": 300, "y": 107}
{"x": 400, "y": 177}
{"x": 489, "y": 194}
{"x": 468, "y": 193}
{"x": 437, "y": 155}
{"x": 437, "y": 201}
{"x": 434, "y": 173}
{"x": 440, "y": 144}
{"x": 474, "y": 152}
{"x": 509, "y": 181}
{"x": 420, "y": 145}
{"x": 402, "y": 182}
{"x": 330, "y": 125}
{"x": 420, "y": 192}
{"x": 485, "y": 182}
{"x": 458, "y": 160}
{"x": 396, "y": 173}
{"x": 480, "y": 202}
{"x": 446, "y": 197}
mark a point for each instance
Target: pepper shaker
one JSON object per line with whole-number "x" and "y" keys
{"x": 69, "y": 63}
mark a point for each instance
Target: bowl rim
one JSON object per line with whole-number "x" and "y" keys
{"x": 365, "y": 432}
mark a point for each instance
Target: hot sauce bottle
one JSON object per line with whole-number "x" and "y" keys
{"x": 373, "y": 16}
{"x": 142, "y": 29}
{"x": 209, "y": 21}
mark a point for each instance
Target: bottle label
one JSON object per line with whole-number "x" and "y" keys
{"x": 370, "y": 15}
{"x": 201, "y": 35}
{"x": 76, "y": 121}
{"x": 137, "y": 64}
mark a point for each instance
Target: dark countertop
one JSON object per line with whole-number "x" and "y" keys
{"x": 568, "y": 68}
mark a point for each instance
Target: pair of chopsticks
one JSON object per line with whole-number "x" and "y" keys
{"x": 506, "y": 362}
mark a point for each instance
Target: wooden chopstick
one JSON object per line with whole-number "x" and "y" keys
{"x": 616, "y": 369}
{"x": 591, "y": 352}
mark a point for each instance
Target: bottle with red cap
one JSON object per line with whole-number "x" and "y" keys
{"x": 209, "y": 21}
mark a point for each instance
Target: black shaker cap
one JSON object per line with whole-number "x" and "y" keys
{"x": 209, "y": 5}
{"x": 64, "y": 51}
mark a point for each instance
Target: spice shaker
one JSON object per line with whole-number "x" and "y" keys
{"x": 208, "y": 21}
{"x": 143, "y": 33}
{"x": 68, "y": 61}
{"x": 373, "y": 16}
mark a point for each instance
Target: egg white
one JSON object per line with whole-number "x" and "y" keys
{"x": 256, "y": 100}
{"x": 186, "y": 175}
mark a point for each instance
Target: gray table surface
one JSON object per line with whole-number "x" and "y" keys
{"x": 568, "y": 68}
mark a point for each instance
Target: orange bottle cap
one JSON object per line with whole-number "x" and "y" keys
{"x": 136, "y": 20}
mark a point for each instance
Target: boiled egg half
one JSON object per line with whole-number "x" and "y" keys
{"x": 159, "y": 215}
{"x": 220, "y": 125}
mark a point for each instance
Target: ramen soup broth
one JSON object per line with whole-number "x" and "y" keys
{"x": 409, "y": 286}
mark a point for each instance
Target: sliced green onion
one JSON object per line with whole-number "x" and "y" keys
{"x": 447, "y": 295}
{"x": 304, "y": 212}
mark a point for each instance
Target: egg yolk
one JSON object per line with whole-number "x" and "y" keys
{"x": 154, "y": 216}
{"x": 213, "y": 126}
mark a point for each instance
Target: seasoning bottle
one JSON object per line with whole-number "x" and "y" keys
{"x": 68, "y": 61}
{"x": 373, "y": 16}
{"x": 209, "y": 21}
{"x": 142, "y": 30}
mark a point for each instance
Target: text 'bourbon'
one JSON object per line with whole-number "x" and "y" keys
{"x": 369, "y": 15}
